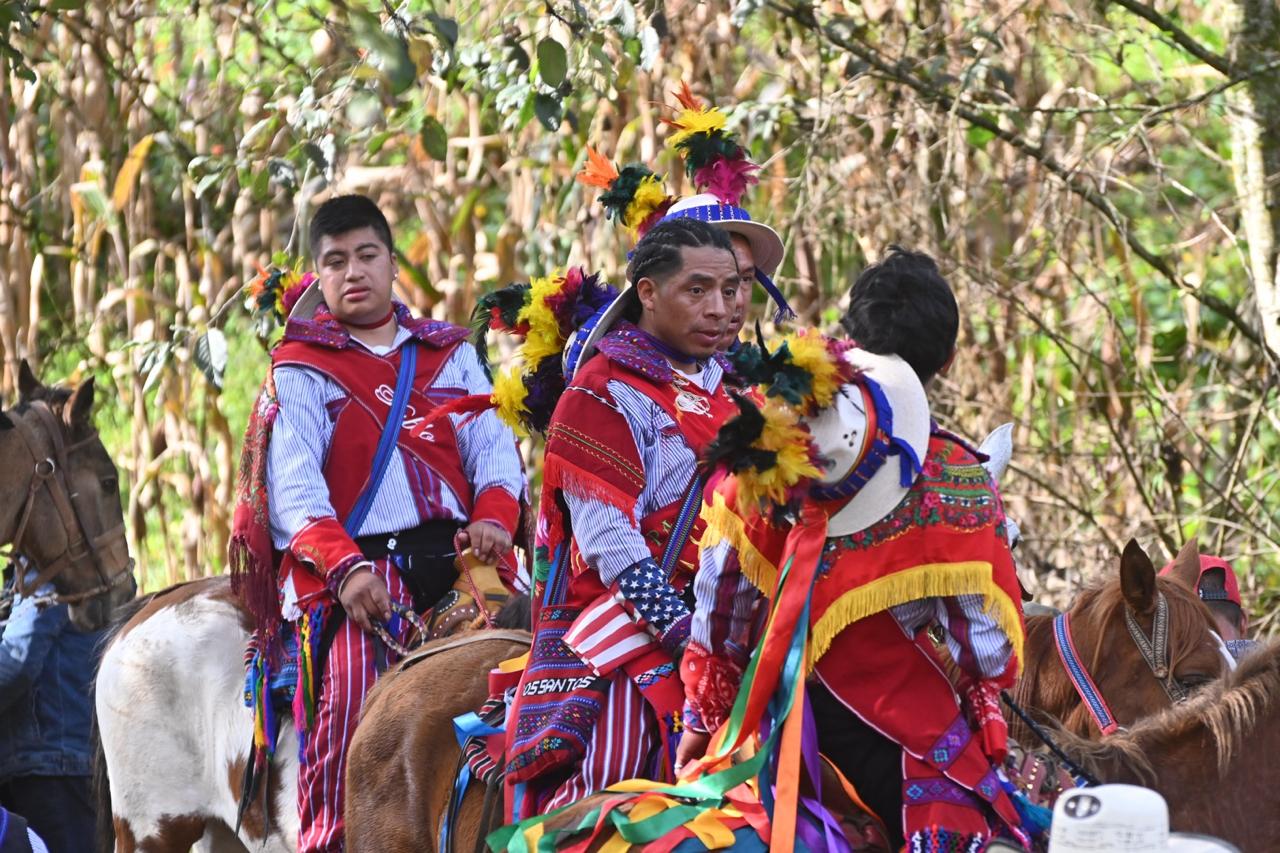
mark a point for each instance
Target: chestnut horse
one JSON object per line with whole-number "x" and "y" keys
{"x": 400, "y": 768}
{"x": 1104, "y": 629}
{"x": 60, "y": 501}
{"x": 1211, "y": 757}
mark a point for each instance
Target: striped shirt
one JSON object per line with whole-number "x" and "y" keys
{"x": 608, "y": 540}
{"x": 409, "y": 494}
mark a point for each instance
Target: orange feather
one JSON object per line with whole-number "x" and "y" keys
{"x": 686, "y": 97}
{"x": 598, "y": 172}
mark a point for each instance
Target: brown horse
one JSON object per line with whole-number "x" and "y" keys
{"x": 400, "y": 769}
{"x": 60, "y": 501}
{"x": 1211, "y": 757}
{"x": 1183, "y": 655}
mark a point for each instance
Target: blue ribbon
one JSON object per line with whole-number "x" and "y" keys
{"x": 387, "y": 441}
{"x": 782, "y": 310}
{"x": 465, "y": 726}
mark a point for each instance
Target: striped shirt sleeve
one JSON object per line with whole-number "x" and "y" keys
{"x": 300, "y": 441}
{"x": 724, "y": 603}
{"x": 490, "y": 455}
{"x": 976, "y": 642}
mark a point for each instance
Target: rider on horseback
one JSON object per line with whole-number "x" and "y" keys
{"x": 341, "y": 521}
{"x": 914, "y": 536}
{"x": 599, "y": 701}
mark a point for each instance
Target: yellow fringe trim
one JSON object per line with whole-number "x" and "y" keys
{"x": 724, "y": 524}
{"x": 931, "y": 580}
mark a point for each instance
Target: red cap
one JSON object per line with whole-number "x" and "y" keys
{"x": 1231, "y": 586}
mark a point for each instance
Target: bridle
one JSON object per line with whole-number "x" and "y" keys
{"x": 108, "y": 552}
{"x": 1154, "y": 650}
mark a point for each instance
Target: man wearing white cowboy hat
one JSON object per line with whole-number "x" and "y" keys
{"x": 914, "y": 535}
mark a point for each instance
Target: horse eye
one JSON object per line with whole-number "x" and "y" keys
{"x": 1194, "y": 680}
{"x": 110, "y": 485}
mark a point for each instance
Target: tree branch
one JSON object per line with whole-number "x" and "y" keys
{"x": 949, "y": 102}
{"x": 1180, "y": 37}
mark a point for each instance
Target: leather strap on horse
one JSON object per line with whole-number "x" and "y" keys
{"x": 463, "y": 640}
{"x": 1079, "y": 675}
{"x": 49, "y": 473}
{"x": 1155, "y": 651}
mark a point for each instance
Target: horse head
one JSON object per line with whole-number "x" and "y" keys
{"x": 61, "y": 500}
{"x": 1129, "y": 646}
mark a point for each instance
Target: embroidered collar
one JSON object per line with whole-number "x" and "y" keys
{"x": 325, "y": 329}
{"x": 628, "y": 346}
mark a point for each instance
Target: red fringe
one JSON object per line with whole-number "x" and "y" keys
{"x": 559, "y": 474}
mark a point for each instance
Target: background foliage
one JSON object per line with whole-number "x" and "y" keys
{"x": 1097, "y": 179}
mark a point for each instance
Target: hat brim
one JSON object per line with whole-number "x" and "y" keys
{"x": 1190, "y": 842}
{"x": 911, "y": 423}
{"x": 617, "y": 308}
{"x": 311, "y": 299}
{"x": 766, "y": 245}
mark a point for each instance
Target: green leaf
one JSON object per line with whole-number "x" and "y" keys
{"x": 553, "y": 62}
{"x": 378, "y": 140}
{"x": 435, "y": 139}
{"x": 207, "y": 183}
{"x": 548, "y": 110}
{"x": 210, "y": 356}
{"x": 979, "y": 136}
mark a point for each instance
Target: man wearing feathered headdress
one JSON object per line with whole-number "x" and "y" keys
{"x": 599, "y": 700}
{"x": 721, "y": 173}
{"x": 901, "y": 530}
{"x": 344, "y": 520}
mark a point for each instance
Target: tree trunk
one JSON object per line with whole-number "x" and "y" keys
{"x": 1255, "y": 132}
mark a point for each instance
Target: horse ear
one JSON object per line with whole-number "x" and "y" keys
{"x": 1186, "y": 566}
{"x": 1137, "y": 578}
{"x": 80, "y": 406}
{"x": 998, "y": 448}
{"x": 28, "y": 385}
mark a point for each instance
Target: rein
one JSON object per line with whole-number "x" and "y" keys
{"x": 1154, "y": 651}
{"x": 49, "y": 474}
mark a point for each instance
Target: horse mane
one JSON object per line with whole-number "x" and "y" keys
{"x": 1104, "y": 600}
{"x": 1229, "y": 709}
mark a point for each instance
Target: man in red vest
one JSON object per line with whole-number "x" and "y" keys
{"x": 600, "y": 700}
{"x": 355, "y": 531}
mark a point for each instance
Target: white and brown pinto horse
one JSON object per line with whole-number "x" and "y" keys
{"x": 174, "y": 732}
{"x": 60, "y": 501}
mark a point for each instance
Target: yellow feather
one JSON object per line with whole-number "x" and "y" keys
{"x": 783, "y": 435}
{"x": 649, "y": 197}
{"x": 809, "y": 351}
{"x": 544, "y": 338}
{"x": 690, "y": 122}
{"x": 509, "y": 393}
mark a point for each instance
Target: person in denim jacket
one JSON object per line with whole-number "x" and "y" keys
{"x": 46, "y": 678}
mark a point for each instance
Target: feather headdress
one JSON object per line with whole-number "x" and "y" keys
{"x": 768, "y": 446}
{"x": 542, "y": 313}
{"x": 713, "y": 159}
{"x": 273, "y": 292}
{"x": 635, "y": 197}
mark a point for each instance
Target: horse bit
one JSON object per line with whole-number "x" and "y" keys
{"x": 49, "y": 473}
{"x": 1154, "y": 651}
